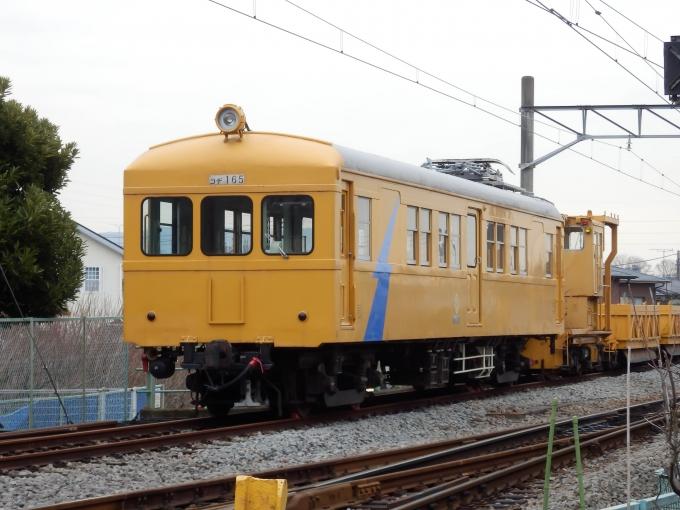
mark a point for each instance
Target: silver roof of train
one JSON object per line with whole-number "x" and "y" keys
{"x": 384, "y": 167}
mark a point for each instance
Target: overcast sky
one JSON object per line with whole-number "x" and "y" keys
{"x": 121, "y": 76}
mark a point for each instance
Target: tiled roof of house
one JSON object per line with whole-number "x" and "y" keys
{"x": 621, "y": 273}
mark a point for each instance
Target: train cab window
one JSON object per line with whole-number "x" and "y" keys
{"x": 363, "y": 228}
{"x": 573, "y": 238}
{"x": 227, "y": 225}
{"x": 443, "y": 238}
{"x": 523, "y": 251}
{"x": 548, "y": 255}
{"x": 454, "y": 236}
{"x": 287, "y": 225}
{"x": 166, "y": 226}
{"x": 425, "y": 237}
{"x": 411, "y": 233}
{"x": 514, "y": 250}
{"x": 471, "y": 240}
{"x": 490, "y": 231}
{"x": 500, "y": 245}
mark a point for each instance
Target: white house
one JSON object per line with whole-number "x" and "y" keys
{"x": 103, "y": 263}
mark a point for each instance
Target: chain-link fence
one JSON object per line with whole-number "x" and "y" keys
{"x": 96, "y": 375}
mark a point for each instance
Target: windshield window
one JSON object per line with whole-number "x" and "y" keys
{"x": 573, "y": 238}
{"x": 226, "y": 225}
{"x": 166, "y": 226}
{"x": 287, "y": 224}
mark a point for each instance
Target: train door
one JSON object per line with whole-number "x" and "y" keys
{"x": 472, "y": 236}
{"x": 346, "y": 254}
{"x": 597, "y": 263}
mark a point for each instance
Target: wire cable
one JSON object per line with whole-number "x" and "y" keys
{"x": 617, "y": 45}
{"x": 621, "y": 14}
{"x": 543, "y": 7}
{"x": 638, "y": 261}
{"x": 623, "y": 39}
{"x": 417, "y": 82}
{"x": 42, "y": 361}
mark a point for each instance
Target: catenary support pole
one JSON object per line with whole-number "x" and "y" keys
{"x": 527, "y": 134}
{"x": 548, "y": 458}
{"x": 628, "y": 430}
{"x": 579, "y": 469}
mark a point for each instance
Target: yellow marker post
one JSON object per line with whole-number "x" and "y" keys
{"x": 258, "y": 494}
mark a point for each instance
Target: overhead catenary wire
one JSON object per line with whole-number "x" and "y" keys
{"x": 579, "y": 27}
{"x": 623, "y": 15}
{"x": 618, "y": 35}
{"x": 35, "y": 346}
{"x": 542, "y": 6}
{"x": 417, "y": 82}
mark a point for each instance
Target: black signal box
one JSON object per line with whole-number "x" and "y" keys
{"x": 671, "y": 67}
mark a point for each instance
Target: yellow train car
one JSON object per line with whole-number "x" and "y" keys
{"x": 588, "y": 340}
{"x": 314, "y": 272}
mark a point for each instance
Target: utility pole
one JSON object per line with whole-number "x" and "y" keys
{"x": 677, "y": 266}
{"x": 527, "y": 135}
{"x": 663, "y": 265}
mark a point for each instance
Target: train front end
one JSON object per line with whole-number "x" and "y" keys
{"x": 229, "y": 251}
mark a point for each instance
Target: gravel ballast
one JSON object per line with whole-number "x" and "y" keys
{"x": 605, "y": 479}
{"x": 257, "y": 452}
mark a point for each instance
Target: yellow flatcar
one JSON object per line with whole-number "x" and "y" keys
{"x": 313, "y": 272}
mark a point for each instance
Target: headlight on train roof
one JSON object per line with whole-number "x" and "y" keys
{"x": 230, "y": 119}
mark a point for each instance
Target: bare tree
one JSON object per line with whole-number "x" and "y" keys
{"x": 634, "y": 262}
{"x": 666, "y": 269}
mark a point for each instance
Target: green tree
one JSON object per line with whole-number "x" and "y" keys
{"x": 40, "y": 250}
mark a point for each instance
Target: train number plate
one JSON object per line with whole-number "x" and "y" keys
{"x": 227, "y": 179}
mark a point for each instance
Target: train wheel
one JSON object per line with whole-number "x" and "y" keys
{"x": 219, "y": 410}
{"x": 355, "y": 407}
{"x": 303, "y": 410}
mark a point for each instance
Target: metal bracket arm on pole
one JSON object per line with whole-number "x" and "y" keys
{"x": 623, "y": 133}
{"x": 540, "y": 160}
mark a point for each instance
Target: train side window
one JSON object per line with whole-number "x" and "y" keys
{"x": 500, "y": 246}
{"x": 287, "y": 225}
{"x": 425, "y": 237}
{"x": 166, "y": 226}
{"x": 227, "y": 225}
{"x": 454, "y": 256}
{"x": 471, "y": 240}
{"x": 523, "y": 251}
{"x": 548, "y": 255}
{"x": 490, "y": 230}
{"x": 411, "y": 233}
{"x": 443, "y": 238}
{"x": 514, "y": 250}
{"x": 573, "y": 238}
{"x": 363, "y": 228}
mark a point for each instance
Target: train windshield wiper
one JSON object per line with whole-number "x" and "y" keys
{"x": 278, "y": 245}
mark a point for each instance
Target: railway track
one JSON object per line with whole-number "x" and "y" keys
{"x": 88, "y": 441}
{"x": 448, "y": 474}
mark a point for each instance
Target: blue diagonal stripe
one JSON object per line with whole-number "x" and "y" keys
{"x": 383, "y": 270}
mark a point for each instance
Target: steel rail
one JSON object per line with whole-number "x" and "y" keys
{"x": 21, "y": 453}
{"x": 89, "y": 434}
{"x": 61, "y": 429}
{"x": 360, "y": 491}
{"x": 455, "y": 495}
{"x": 365, "y": 466}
